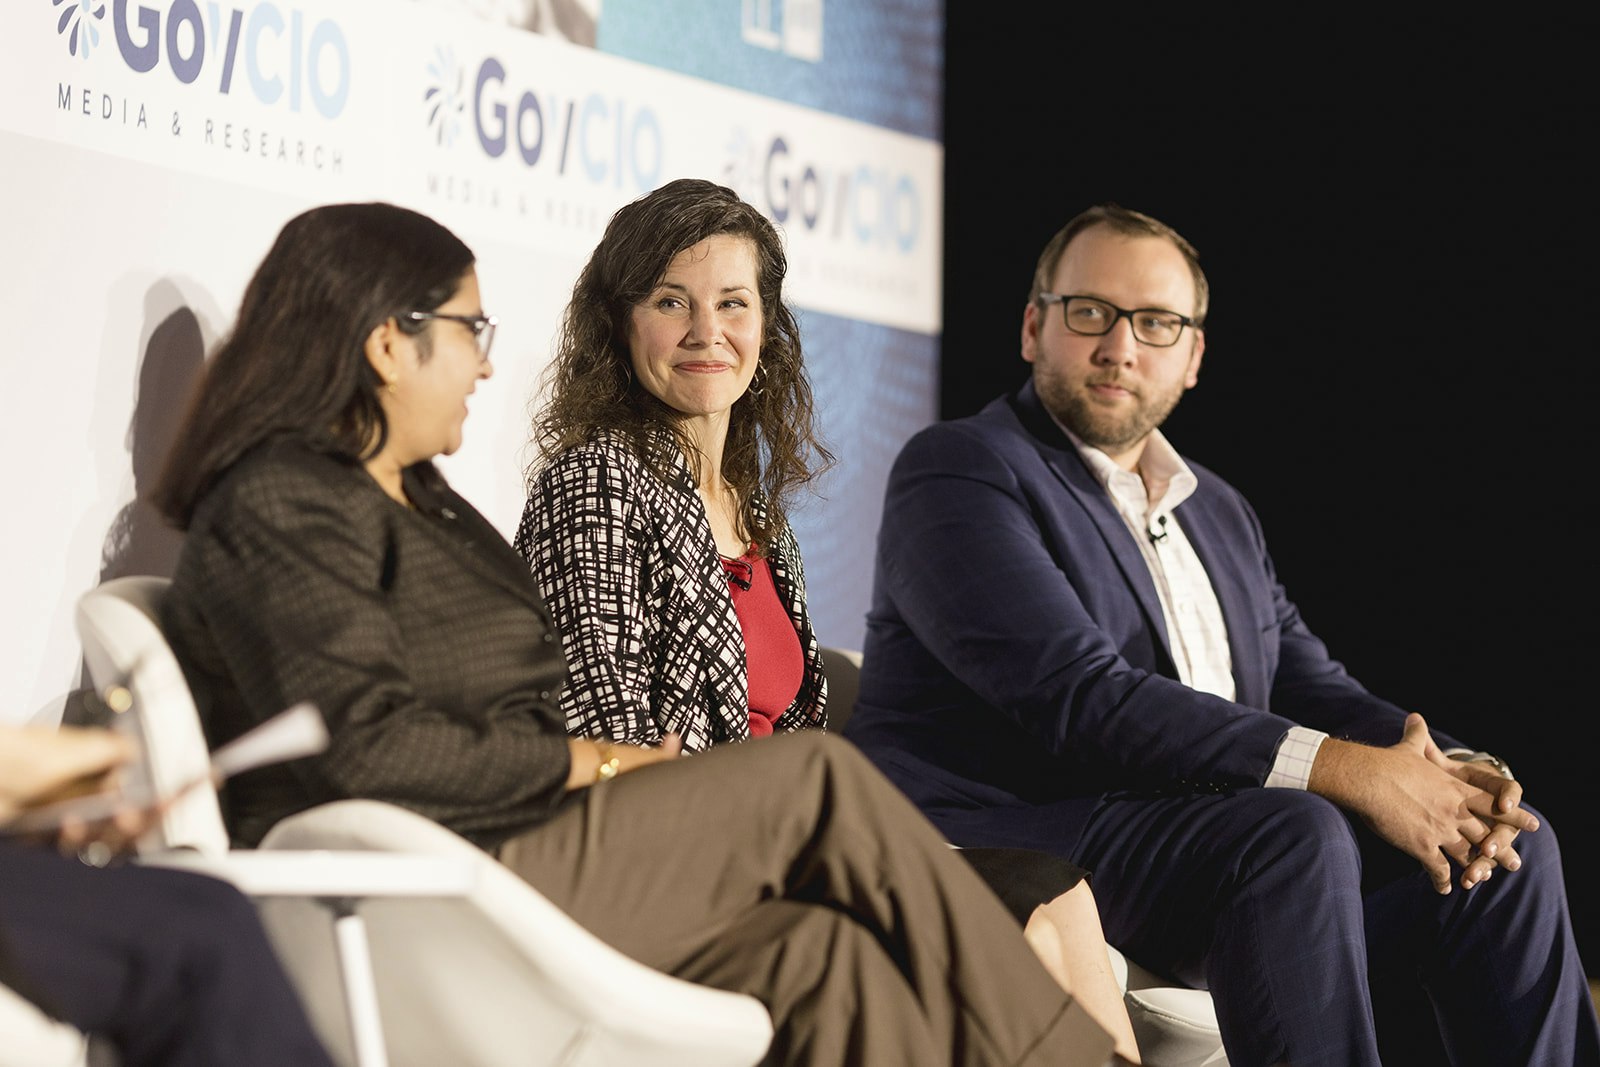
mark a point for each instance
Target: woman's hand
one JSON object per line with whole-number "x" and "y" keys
{"x": 591, "y": 758}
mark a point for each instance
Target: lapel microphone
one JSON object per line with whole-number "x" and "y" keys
{"x": 1158, "y": 532}
{"x": 739, "y": 572}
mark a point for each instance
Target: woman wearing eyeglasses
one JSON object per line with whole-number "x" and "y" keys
{"x": 327, "y": 560}
{"x": 677, "y": 427}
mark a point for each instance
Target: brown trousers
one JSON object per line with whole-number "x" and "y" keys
{"x": 791, "y": 870}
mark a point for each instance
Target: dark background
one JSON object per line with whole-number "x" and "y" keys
{"x": 1396, "y": 217}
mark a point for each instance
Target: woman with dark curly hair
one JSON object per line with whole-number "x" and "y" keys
{"x": 677, "y": 427}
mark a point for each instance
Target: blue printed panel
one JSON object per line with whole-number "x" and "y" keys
{"x": 875, "y": 386}
{"x": 877, "y": 61}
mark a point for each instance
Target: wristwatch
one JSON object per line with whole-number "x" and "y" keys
{"x": 1467, "y": 755}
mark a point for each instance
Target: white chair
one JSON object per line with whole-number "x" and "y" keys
{"x": 1175, "y": 1026}
{"x": 407, "y": 944}
{"x": 524, "y": 983}
{"x": 33, "y": 1039}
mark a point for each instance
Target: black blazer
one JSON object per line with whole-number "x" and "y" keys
{"x": 418, "y": 633}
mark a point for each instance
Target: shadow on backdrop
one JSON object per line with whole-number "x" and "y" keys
{"x": 139, "y": 540}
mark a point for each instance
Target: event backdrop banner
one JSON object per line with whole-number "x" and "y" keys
{"x": 153, "y": 150}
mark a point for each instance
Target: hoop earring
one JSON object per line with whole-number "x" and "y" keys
{"x": 758, "y": 384}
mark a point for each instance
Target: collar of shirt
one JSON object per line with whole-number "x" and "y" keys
{"x": 1159, "y": 463}
{"x": 1196, "y": 633}
{"x": 1198, "y": 638}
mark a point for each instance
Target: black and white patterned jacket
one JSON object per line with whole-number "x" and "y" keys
{"x": 629, "y": 568}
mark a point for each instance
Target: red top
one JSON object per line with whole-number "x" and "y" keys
{"x": 773, "y": 661}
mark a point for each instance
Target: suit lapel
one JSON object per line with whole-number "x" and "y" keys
{"x": 1063, "y": 459}
{"x": 1221, "y": 554}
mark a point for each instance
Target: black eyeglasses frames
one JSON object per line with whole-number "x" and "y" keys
{"x": 1092, "y": 317}
{"x": 482, "y": 326}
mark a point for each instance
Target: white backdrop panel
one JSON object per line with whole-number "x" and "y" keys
{"x": 152, "y": 151}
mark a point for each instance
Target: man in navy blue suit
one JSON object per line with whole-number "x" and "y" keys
{"x": 1077, "y": 643}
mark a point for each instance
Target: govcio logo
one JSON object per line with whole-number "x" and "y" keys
{"x": 281, "y": 56}
{"x": 75, "y": 23}
{"x": 606, "y": 140}
{"x": 446, "y": 98}
{"x": 873, "y": 204}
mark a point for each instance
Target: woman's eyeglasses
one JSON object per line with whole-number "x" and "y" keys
{"x": 482, "y": 326}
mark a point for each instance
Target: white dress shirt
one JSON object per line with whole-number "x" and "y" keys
{"x": 1196, "y": 633}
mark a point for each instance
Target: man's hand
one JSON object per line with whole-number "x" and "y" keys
{"x": 1495, "y": 850}
{"x": 1427, "y": 810}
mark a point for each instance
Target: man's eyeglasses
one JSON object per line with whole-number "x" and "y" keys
{"x": 482, "y": 326}
{"x": 1091, "y": 317}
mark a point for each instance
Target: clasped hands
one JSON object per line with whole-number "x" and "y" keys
{"x": 1431, "y": 807}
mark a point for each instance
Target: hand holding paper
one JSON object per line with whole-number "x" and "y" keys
{"x": 293, "y": 733}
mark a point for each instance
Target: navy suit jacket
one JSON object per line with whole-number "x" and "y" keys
{"x": 1016, "y": 656}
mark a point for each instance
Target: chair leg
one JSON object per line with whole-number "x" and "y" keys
{"x": 360, "y": 990}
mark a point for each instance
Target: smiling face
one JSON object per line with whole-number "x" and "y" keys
{"x": 695, "y": 341}
{"x": 431, "y": 379}
{"x": 1113, "y": 390}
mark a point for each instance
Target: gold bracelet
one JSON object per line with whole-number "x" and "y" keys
{"x": 609, "y": 764}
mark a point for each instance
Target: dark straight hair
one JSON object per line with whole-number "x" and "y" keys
{"x": 295, "y": 362}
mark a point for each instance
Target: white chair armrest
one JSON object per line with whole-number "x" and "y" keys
{"x": 33, "y": 1039}
{"x": 335, "y": 879}
{"x": 330, "y": 873}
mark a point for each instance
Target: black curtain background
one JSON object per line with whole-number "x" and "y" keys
{"x": 1397, "y": 218}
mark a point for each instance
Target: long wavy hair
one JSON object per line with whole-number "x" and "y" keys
{"x": 772, "y": 448}
{"x": 295, "y": 363}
